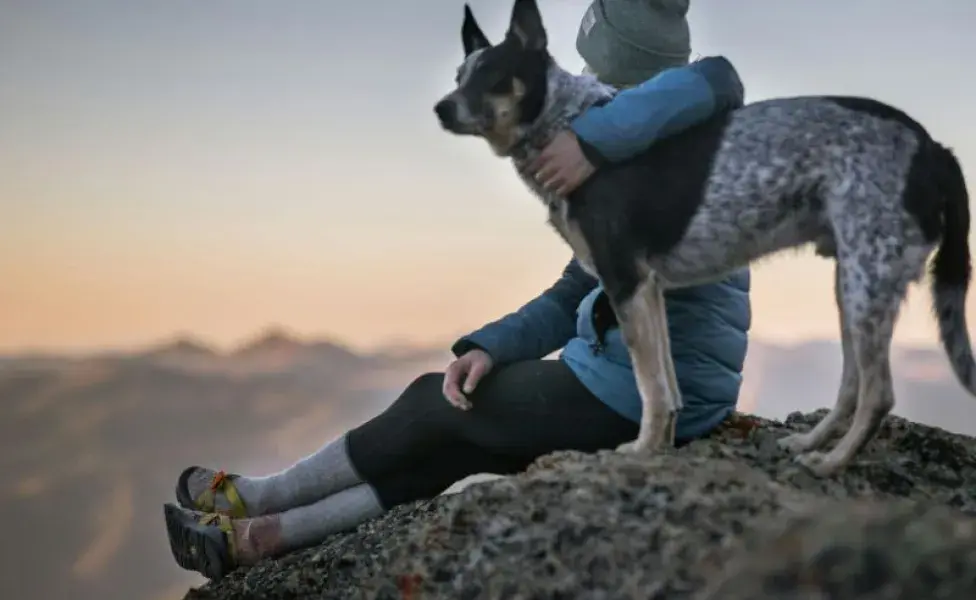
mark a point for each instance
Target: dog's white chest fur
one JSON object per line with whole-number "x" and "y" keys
{"x": 567, "y": 228}
{"x": 570, "y": 231}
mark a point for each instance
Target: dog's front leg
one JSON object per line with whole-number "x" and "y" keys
{"x": 643, "y": 322}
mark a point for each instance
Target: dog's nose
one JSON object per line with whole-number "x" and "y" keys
{"x": 446, "y": 112}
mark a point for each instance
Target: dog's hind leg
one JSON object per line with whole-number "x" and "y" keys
{"x": 847, "y": 394}
{"x": 874, "y": 280}
{"x": 643, "y": 323}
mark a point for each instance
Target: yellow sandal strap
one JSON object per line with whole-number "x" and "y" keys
{"x": 224, "y": 524}
{"x": 224, "y": 484}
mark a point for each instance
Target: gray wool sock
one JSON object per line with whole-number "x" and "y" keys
{"x": 320, "y": 474}
{"x": 326, "y": 471}
{"x": 308, "y": 525}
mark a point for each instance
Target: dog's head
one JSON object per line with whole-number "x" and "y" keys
{"x": 500, "y": 89}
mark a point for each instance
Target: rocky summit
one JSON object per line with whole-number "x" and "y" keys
{"x": 731, "y": 517}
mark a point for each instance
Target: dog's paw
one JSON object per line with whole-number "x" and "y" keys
{"x": 817, "y": 463}
{"x": 640, "y": 446}
{"x": 796, "y": 443}
{"x": 631, "y": 448}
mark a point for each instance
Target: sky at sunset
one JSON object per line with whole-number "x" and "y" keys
{"x": 216, "y": 167}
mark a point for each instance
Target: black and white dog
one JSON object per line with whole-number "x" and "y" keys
{"x": 857, "y": 178}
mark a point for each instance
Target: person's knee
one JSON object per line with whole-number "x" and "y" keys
{"x": 424, "y": 393}
{"x": 413, "y": 421}
{"x": 426, "y": 385}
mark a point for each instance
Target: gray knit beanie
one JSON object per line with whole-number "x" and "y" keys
{"x": 625, "y": 42}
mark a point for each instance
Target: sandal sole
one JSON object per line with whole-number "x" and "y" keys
{"x": 196, "y": 547}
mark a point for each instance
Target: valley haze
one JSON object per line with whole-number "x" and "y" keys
{"x": 93, "y": 443}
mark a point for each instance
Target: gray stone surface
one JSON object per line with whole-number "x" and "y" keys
{"x": 726, "y": 518}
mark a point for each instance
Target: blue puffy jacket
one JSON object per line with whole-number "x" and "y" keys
{"x": 708, "y": 324}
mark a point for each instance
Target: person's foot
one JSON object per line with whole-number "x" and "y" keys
{"x": 209, "y": 491}
{"x": 201, "y": 542}
{"x": 214, "y": 544}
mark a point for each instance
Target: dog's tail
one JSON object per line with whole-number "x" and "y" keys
{"x": 951, "y": 270}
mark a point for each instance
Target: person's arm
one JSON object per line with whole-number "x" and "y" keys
{"x": 538, "y": 328}
{"x": 670, "y": 102}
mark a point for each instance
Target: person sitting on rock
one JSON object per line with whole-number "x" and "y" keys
{"x": 501, "y": 404}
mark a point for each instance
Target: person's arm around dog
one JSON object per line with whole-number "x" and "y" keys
{"x": 670, "y": 102}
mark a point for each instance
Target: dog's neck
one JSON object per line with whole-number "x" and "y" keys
{"x": 567, "y": 96}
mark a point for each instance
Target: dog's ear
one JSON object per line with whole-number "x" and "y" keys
{"x": 526, "y": 25}
{"x": 471, "y": 35}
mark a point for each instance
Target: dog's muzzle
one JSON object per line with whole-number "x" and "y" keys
{"x": 446, "y": 111}
{"x": 455, "y": 116}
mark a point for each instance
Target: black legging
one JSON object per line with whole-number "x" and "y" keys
{"x": 421, "y": 444}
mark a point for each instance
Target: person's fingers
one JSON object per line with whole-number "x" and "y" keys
{"x": 545, "y": 157}
{"x": 576, "y": 178}
{"x": 457, "y": 400}
{"x": 475, "y": 373}
{"x": 538, "y": 164}
{"x": 555, "y": 182}
{"x": 567, "y": 187}
{"x": 452, "y": 384}
{"x": 548, "y": 171}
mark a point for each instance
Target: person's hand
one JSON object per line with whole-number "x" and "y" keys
{"x": 562, "y": 167}
{"x": 466, "y": 371}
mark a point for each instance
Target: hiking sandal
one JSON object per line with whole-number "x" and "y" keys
{"x": 206, "y": 501}
{"x": 202, "y": 543}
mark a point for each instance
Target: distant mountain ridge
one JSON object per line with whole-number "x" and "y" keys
{"x": 777, "y": 377}
{"x": 272, "y": 350}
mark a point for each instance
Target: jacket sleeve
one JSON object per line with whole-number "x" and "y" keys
{"x": 538, "y": 328}
{"x": 670, "y": 102}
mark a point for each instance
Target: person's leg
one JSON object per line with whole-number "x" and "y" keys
{"x": 416, "y": 449}
{"x": 519, "y": 412}
{"x": 306, "y": 525}
{"x": 326, "y": 471}
{"x": 199, "y": 544}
